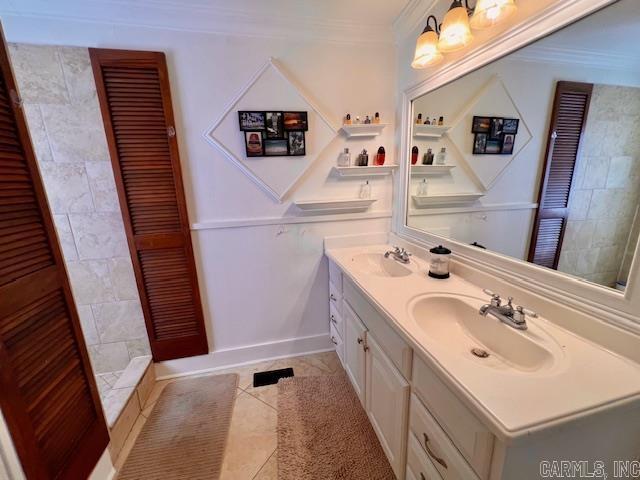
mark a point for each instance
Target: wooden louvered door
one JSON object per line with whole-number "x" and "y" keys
{"x": 568, "y": 119}
{"x": 135, "y": 99}
{"x": 48, "y": 394}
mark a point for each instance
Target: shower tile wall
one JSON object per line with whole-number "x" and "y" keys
{"x": 606, "y": 192}
{"x": 58, "y": 90}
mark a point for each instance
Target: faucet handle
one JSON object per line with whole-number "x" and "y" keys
{"x": 526, "y": 311}
{"x": 495, "y": 297}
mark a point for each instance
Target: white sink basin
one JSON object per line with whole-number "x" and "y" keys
{"x": 377, "y": 264}
{"x": 453, "y": 322}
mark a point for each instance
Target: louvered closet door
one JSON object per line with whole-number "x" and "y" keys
{"x": 133, "y": 88}
{"x": 568, "y": 119}
{"x": 48, "y": 394}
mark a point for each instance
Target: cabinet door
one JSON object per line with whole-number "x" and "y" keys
{"x": 354, "y": 354}
{"x": 387, "y": 405}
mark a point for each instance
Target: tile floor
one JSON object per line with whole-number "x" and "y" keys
{"x": 106, "y": 381}
{"x": 251, "y": 447}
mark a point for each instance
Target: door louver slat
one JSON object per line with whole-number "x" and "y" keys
{"x": 135, "y": 100}
{"x": 570, "y": 109}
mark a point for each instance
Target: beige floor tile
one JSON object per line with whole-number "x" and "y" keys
{"x": 252, "y": 438}
{"x": 129, "y": 442}
{"x": 267, "y": 393}
{"x": 246, "y": 372}
{"x": 301, "y": 367}
{"x": 324, "y": 360}
{"x": 269, "y": 470}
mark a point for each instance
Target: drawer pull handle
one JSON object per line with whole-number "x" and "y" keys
{"x": 422, "y": 476}
{"x": 431, "y": 454}
{"x": 359, "y": 340}
{"x": 366, "y": 349}
{"x": 333, "y": 340}
{"x": 332, "y": 297}
{"x": 333, "y": 319}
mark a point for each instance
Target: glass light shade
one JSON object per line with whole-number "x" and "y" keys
{"x": 489, "y": 12}
{"x": 427, "y": 52}
{"x": 455, "y": 32}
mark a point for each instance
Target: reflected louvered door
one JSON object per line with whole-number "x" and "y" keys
{"x": 48, "y": 394}
{"x": 135, "y": 99}
{"x": 568, "y": 119}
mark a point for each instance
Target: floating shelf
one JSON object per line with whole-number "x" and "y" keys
{"x": 446, "y": 200}
{"x": 343, "y": 205}
{"x": 429, "y": 131}
{"x": 369, "y": 171}
{"x": 426, "y": 170}
{"x": 363, "y": 129}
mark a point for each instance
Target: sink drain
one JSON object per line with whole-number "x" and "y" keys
{"x": 478, "y": 352}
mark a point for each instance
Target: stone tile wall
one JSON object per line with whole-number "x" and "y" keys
{"x": 59, "y": 93}
{"x": 606, "y": 194}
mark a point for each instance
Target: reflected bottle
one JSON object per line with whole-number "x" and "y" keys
{"x": 414, "y": 155}
{"x": 422, "y": 188}
{"x": 428, "y": 158}
{"x": 365, "y": 190}
{"x": 441, "y": 158}
{"x": 379, "y": 159}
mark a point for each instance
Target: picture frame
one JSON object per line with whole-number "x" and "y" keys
{"x": 508, "y": 141}
{"x": 481, "y": 124}
{"x": 496, "y": 128}
{"x": 251, "y": 121}
{"x": 274, "y": 125}
{"x": 479, "y": 143}
{"x": 510, "y": 126}
{"x": 296, "y": 121}
{"x": 296, "y": 143}
{"x": 276, "y": 147}
{"x": 493, "y": 147}
{"x": 253, "y": 143}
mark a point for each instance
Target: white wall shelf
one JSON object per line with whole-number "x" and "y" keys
{"x": 445, "y": 200}
{"x": 364, "y": 129}
{"x": 368, "y": 171}
{"x": 427, "y": 170}
{"x": 344, "y": 205}
{"x": 429, "y": 131}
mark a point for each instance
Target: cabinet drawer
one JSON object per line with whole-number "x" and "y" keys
{"x": 394, "y": 346}
{"x": 419, "y": 467}
{"x": 471, "y": 437}
{"x": 335, "y": 320}
{"x": 336, "y": 339}
{"x": 335, "y": 275}
{"x": 335, "y": 297}
{"x": 444, "y": 456}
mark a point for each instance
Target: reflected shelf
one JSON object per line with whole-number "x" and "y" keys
{"x": 445, "y": 200}
{"x": 429, "y": 131}
{"x": 426, "y": 170}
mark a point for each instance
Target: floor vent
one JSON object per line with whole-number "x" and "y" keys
{"x": 271, "y": 377}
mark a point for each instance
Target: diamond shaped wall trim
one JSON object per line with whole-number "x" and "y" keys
{"x": 270, "y": 187}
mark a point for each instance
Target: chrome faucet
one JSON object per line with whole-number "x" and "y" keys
{"x": 514, "y": 317}
{"x": 399, "y": 254}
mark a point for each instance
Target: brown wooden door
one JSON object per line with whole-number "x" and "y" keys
{"x": 47, "y": 389}
{"x": 135, "y": 99}
{"x": 568, "y": 119}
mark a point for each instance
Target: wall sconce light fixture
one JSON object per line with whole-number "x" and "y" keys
{"x": 427, "y": 52}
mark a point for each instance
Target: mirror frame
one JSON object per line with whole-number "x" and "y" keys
{"x": 612, "y": 306}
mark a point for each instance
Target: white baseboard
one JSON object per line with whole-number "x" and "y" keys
{"x": 234, "y": 357}
{"x": 104, "y": 468}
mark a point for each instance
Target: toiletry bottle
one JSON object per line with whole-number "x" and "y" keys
{"x": 427, "y": 121}
{"x": 414, "y": 155}
{"x": 344, "y": 159}
{"x": 347, "y": 119}
{"x": 428, "y": 157}
{"x": 442, "y": 157}
{"x": 422, "y": 188}
{"x": 380, "y": 156}
{"x": 367, "y": 120}
{"x": 357, "y": 119}
{"x": 419, "y": 119}
{"x": 363, "y": 159}
{"x": 441, "y": 121}
{"x": 365, "y": 190}
{"x": 376, "y": 118}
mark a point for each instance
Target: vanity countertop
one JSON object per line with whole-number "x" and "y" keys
{"x": 583, "y": 379}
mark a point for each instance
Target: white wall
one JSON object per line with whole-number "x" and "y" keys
{"x": 258, "y": 285}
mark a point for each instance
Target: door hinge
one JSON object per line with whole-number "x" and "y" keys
{"x": 171, "y": 132}
{"x": 16, "y": 98}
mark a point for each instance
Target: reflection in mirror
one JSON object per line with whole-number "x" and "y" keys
{"x": 537, "y": 155}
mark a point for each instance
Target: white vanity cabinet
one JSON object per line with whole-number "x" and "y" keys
{"x": 355, "y": 336}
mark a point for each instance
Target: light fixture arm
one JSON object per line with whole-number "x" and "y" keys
{"x": 435, "y": 28}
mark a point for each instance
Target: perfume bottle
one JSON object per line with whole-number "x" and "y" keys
{"x": 419, "y": 119}
{"x": 363, "y": 159}
{"x": 365, "y": 190}
{"x": 428, "y": 158}
{"x": 380, "y": 156}
{"x": 427, "y": 121}
{"x": 414, "y": 155}
{"x": 344, "y": 159}
{"x": 347, "y": 119}
{"x": 357, "y": 119}
{"x": 367, "y": 120}
{"x": 376, "y": 118}
{"x": 441, "y": 158}
{"x": 440, "y": 121}
{"x": 422, "y": 188}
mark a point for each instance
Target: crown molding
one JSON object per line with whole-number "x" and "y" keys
{"x": 413, "y": 16}
{"x": 572, "y": 56}
{"x": 200, "y": 18}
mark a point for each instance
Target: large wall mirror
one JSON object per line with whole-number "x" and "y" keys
{"x": 537, "y": 155}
